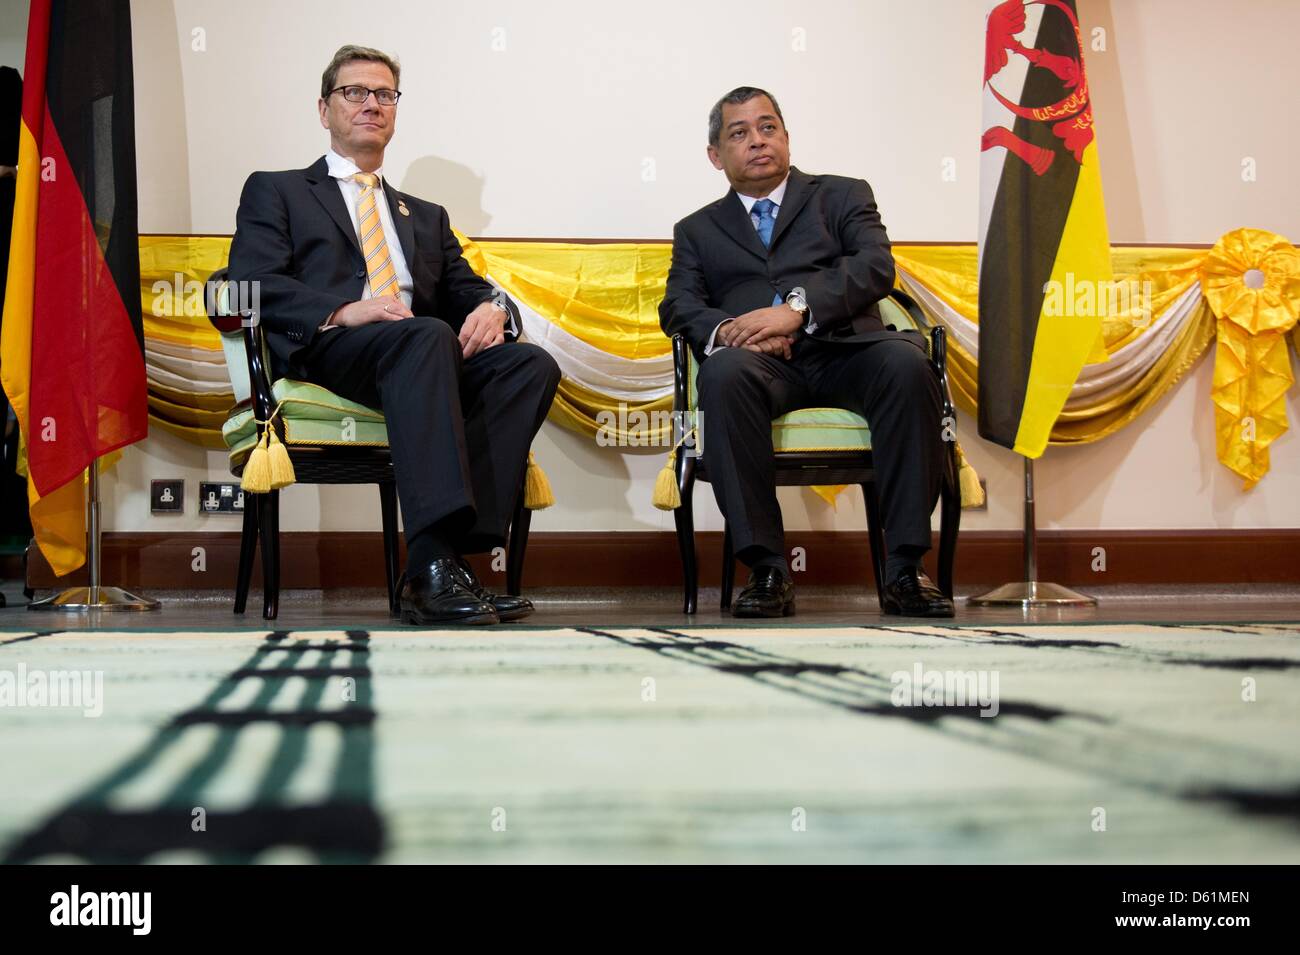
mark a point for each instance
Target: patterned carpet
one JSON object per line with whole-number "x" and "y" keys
{"x": 1100, "y": 743}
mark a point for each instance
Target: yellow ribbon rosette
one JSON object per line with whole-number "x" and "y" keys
{"x": 1251, "y": 280}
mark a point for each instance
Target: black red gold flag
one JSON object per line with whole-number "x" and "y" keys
{"x": 71, "y": 352}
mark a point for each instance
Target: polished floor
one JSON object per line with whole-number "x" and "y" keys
{"x": 816, "y": 607}
{"x": 1158, "y": 727}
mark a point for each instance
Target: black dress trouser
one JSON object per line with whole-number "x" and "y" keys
{"x": 459, "y": 429}
{"x": 890, "y": 383}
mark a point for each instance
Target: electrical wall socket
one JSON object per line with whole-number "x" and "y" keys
{"x": 218, "y": 498}
{"x": 167, "y": 496}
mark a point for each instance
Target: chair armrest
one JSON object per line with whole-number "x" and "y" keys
{"x": 259, "y": 376}
{"x": 225, "y": 322}
{"x": 938, "y": 343}
{"x": 939, "y": 359}
{"x": 910, "y": 306}
{"x": 681, "y": 374}
{"x": 682, "y": 358}
{"x": 214, "y": 301}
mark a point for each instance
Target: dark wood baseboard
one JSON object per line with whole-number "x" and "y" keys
{"x": 329, "y": 560}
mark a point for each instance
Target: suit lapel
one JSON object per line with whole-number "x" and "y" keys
{"x": 797, "y": 191}
{"x": 326, "y": 191}
{"x": 729, "y": 213}
{"x": 402, "y": 223}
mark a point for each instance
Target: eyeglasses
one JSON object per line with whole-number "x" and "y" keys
{"x": 359, "y": 94}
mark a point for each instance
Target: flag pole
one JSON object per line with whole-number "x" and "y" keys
{"x": 1031, "y": 592}
{"x": 94, "y": 597}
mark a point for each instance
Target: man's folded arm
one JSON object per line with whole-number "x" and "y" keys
{"x": 463, "y": 288}
{"x": 262, "y": 252}
{"x": 685, "y": 309}
{"x": 863, "y": 275}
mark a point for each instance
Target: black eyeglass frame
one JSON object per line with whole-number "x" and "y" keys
{"x": 397, "y": 94}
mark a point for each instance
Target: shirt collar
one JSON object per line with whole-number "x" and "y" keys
{"x": 777, "y": 195}
{"x": 340, "y": 167}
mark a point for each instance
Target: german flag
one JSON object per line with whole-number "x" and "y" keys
{"x": 71, "y": 346}
{"x": 1044, "y": 246}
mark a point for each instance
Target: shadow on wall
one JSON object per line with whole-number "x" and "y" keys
{"x": 456, "y": 187}
{"x": 1124, "y": 212}
{"x": 162, "y": 129}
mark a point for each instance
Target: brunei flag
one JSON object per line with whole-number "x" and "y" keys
{"x": 1044, "y": 248}
{"x": 71, "y": 353}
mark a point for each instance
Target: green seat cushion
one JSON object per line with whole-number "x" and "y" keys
{"x": 821, "y": 429}
{"x": 312, "y": 415}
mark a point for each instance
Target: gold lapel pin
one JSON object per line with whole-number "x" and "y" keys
{"x": 401, "y": 207}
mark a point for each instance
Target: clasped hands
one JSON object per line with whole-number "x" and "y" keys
{"x": 769, "y": 331}
{"x": 483, "y": 328}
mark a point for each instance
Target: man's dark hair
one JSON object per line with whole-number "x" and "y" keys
{"x": 741, "y": 94}
{"x": 350, "y": 54}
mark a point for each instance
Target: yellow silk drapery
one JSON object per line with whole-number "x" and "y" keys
{"x": 952, "y": 274}
{"x": 607, "y": 294}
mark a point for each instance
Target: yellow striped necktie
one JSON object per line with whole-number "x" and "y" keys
{"x": 379, "y": 264}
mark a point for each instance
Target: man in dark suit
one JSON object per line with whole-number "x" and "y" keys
{"x": 775, "y": 286}
{"x": 364, "y": 291}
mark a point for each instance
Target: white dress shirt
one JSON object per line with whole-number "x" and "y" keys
{"x": 343, "y": 169}
{"x": 777, "y": 196}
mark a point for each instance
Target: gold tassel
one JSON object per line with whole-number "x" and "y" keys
{"x": 537, "y": 487}
{"x": 668, "y": 497}
{"x": 281, "y": 467}
{"x": 972, "y": 494}
{"x": 257, "y": 469}
{"x": 268, "y": 467}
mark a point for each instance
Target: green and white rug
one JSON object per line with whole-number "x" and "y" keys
{"x": 1105, "y": 743}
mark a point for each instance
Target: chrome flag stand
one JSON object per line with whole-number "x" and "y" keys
{"x": 1031, "y": 592}
{"x": 94, "y": 597}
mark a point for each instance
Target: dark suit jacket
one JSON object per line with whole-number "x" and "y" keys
{"x": 293, "y": 234}
{"x": 828, "y": 239}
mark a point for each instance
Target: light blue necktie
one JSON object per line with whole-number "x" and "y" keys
{"x": 766, "y": 222}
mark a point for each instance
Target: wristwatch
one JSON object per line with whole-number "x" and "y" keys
{"x": 499, "y": 300}
{"x": 797, "y": 301}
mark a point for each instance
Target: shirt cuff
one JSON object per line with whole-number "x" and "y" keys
{"x": 502, "y": 301}
{"x": 709, "y": 348}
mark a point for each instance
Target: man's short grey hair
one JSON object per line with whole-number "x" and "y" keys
{"x": 741, "y": 94}
{"x": 350, "y": 54}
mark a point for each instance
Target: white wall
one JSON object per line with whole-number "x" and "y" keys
{"x": 550, "y": 137}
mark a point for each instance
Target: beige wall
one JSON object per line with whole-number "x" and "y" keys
{"x": 551, "y": 136}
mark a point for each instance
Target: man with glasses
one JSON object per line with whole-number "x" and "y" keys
{"x": 364, "y": 291}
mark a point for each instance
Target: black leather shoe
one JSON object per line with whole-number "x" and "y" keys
{"x": 507, "y": 607}
{"x": 913, "y": 594}
{"x": 769, "y": 593}
{"x": 438, "y": 595}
